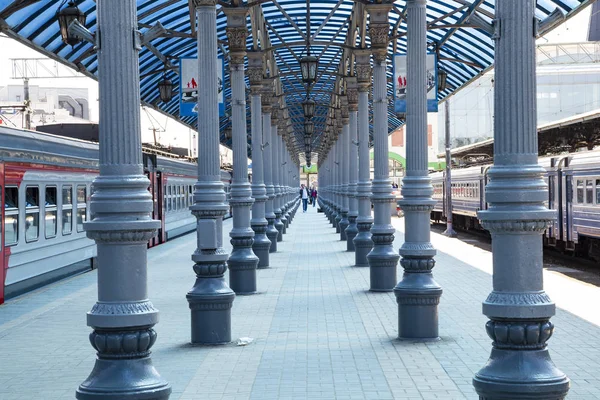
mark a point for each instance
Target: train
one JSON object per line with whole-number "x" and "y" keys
{"x": 46, "y": 182}
{"x": 573, "y": 192}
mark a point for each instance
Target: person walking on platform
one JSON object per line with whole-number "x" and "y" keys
{"x": 304, "y": 196}
{"x": 313, "y": 196}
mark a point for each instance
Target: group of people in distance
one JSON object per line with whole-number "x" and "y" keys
{"x": 307, "y": 195}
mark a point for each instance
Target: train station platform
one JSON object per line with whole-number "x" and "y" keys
{"x": 317, "y": 333}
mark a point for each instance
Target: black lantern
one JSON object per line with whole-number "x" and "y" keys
{"x": 442, "y": 79}
{"x": 307, "y": 141}
{"x": 165, "y": 88}
{"x": 308, "y": 67}
{"x": 309, "y": 108}
{"x": 65, "y": 17}
{"x": 309, "y": 128}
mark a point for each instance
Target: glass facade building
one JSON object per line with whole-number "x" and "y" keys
{"x": 568, "y": 83}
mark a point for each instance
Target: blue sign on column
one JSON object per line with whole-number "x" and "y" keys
{"x": 188, "y": 95}
{"x": 400, "y": 83}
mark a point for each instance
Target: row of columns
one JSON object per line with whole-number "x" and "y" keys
{"x": 518, "y": 308}
{"x": 123, "y": 318}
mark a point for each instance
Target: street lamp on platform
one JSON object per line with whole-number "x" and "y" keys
{"x": 308, "y": 106}
{"x": 66, "y": 17}
{"x": 165, "y": 89}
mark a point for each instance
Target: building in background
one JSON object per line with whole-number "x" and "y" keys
{"x": 594, "y": 31}
{"x": 568, "y": 83}
{"x": 47, "y": 105}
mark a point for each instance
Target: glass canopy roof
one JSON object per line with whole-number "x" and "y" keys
{"x": 279, "y": 26}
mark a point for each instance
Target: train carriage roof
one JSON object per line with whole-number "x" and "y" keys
{"x": 20, "y": 145}
{"x": 464, "y": 49}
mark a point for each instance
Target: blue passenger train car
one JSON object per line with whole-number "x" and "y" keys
{"x": 573, "y": 192}
{"x": 46, "y": 185}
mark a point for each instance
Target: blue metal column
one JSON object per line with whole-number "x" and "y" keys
{"x": 210, "y": 299}
{"x": 518, "y": 307}
{"x": 337, "y": 167}
{"x": 259, "y": 223}
{"x": 280, "y": 170}
{"x": 363, "y": 241}
{"x": 123, "y": 317}
{"x": 344, "y": 166}
{"x": 418, "y": 294}
{"x": 289, "y": 165}
{"x": 242, "y": 261}
{"x": 275, "y": 117}
{"x": 383, "y": 260}
{"x": 267, "y": 109}
{"x": 352, "y": 229}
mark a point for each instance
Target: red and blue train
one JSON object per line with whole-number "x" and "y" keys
{"x": 46, "y": 185}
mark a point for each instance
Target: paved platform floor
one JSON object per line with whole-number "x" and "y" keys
{"x": 318, "y": 333}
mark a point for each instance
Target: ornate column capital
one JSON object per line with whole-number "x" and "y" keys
{"x": 274, "y": 112}
{"x": 352, "y": 92}
{"x": 236, "y": 33}
{"x": 379, "y": 25}
{"x": 282, "y": 124}
{"x": 237, "y": 44}
{"x": 363, "y": 69}
{"x": 255, "y": 71}
{"x": 267, "y": 96}
{"x": 204, "y": 3}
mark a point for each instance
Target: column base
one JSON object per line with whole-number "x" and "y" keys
{"x": 363, "y": 244}
{"x": 284, "y": 222}
{"x": 210, "y": 302}
{"x": 351, "y": 232}
{"x": 261, "y": 245}
{"x": 279, "y": 226}
{"x": 272, "y": 234}
{"x": 520, "y": 374}
{"x": 336, "y": 222}
{"x": 383, "y": 261}
{"x": 449, "y": 232}
{"x": 344, "y": 222}
{"x": 242, "y": 266}
{"x": 418, "y": 296}
{"x": 134, "y": 379}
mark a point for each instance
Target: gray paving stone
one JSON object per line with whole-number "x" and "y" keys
{"x": 318, "y": 333}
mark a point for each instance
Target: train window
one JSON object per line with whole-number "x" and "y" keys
{"x": 579, "y": 191}
{"x": 598, "y": 191}
{"x": 51, "y": 212}
{"x": 168, "y": 191}
{"x": 11, "y": 215}
{"x": 180, "y": 196}
{"x": 589, "y": 192}
{"x": 81, "y": 206}
{"x": 67, "y": 210}
{"x": 32, "y": 213}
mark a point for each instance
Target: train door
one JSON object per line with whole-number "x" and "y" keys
{"x": 3, "y": 253}
{"x": 568, "y": 220}
{"x": 161, "y": 185}
{"x": 483, "y": 181}
{"x": 552, "y": 188}
{"x": 153, "y": 190}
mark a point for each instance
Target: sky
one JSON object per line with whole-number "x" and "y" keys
{"x": 176, "y": 134}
